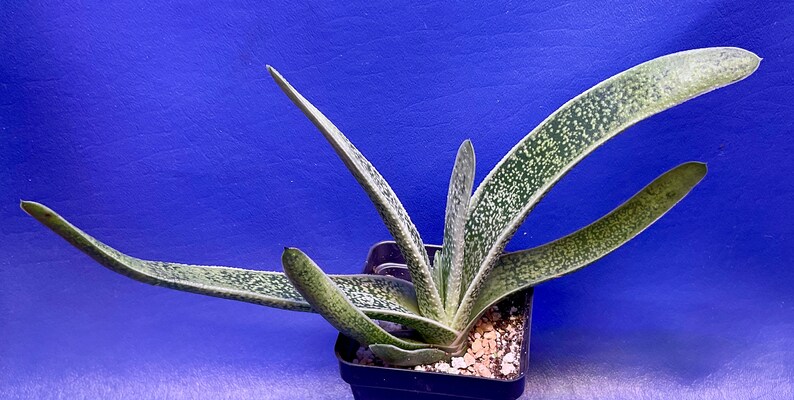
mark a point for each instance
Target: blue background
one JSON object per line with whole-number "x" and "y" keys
{"x": 156, "y": 128}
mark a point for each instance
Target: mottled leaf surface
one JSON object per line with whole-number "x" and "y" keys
{"x": 520, "y": 270}
{"x": 509, "y": 192}
{"x": 329, "y": 301}
{"x": 451, "y": 265}
{"x": 383, "y": 197}
{"x": 380, "y": 297}
{"x": 438, "y": 273}
{"x": 396, "y": 356}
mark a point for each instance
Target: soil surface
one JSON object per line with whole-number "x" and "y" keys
{"x": 494, "y": 347}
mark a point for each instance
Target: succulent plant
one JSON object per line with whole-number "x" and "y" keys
{"x": 470, "y": 273}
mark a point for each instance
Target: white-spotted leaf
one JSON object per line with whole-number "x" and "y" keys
{"x": 329, "y": 301}
{"x": 383, "y": 197}
{"x": 523, "y": 269}
{"x": 460, "y": 185}
{"x": 380, "y": 297}
{"x": 510, "y": 191}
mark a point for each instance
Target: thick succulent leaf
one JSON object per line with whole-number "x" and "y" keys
{"x": 460, "y": 186}
{"x": 431, "y": 331}
{"x": 407, "y": 358}
{"x": 329, "y": 301}
{"x": 510, "y": 191}
{"x": 386, "y": 202}
{"x": 438, "y": 273}
{"x": 520, "y": 270}
{"x": 380, "y": 297}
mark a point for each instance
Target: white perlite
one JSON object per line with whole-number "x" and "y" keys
{"x": 508, "y": 369}
{"x": 493, "y": 351}
{"x": 494, "y": 345}
{"x": 457, "y": 362}
{"x": 442, "y": 367}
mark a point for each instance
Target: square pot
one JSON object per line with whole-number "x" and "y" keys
{"x": 373, "y": 382}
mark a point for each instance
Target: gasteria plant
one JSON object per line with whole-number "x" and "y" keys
{"x": 470, "y": 273}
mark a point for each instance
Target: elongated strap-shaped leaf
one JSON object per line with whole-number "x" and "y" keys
{"x": 438, "y": 273}
{"x": 386, "y": 202}
{"x": 510, "y": 191}
{"x": 406, "y": 358}
{"x": 460, "y": 186}
{"x": 329, "y": 301}
{"x": 520, "y": 270}
{"x": 380, "y": 297}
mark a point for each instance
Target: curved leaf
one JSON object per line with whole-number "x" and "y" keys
{"x": 451, "y": 265}
{"x": 386, "y": 202}
{"x": 393, "y": 355}
{"x": 380, "y": 297}
{"x": 520, "y": 270}
{"x": 328, "y": 300}
{"x": 510, "y": 191}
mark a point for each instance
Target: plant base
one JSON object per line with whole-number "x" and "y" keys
{"x": 378, "y": 382}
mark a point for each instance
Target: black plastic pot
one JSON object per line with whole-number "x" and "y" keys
{"x": 372, "y": 382}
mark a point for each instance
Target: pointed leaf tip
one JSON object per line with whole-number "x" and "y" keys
{"x": 519, "y": 270}
{"x": 751, "y": 60}
{"x": 468, "y": 146}
{"x": 335, "y": 306}
{"x": 35, "y": 210}
{"x": 458, "y": 198}
{"x": 382, "y": 298}
{"x": 386, "y": 201}
{"x": 700, "y": 166}
{"x": 694, "y": 170}
{"x": 512, "y": 189}
{"x": 276, "y": 75}
{"x": 291, "y": 254}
